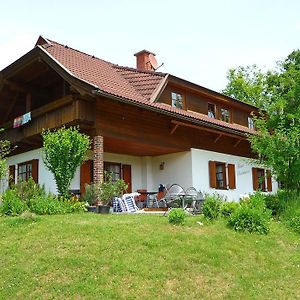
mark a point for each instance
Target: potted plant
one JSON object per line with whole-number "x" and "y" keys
{"x": 109, "y": 189}
{"x": 91, "y": 196}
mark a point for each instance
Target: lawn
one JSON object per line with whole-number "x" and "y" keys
{"x": 90, "y": 256}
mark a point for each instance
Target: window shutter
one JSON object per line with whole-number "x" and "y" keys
{"x": 255, "y": 179}
{"x": 269, "y": 181}
{"x": 35, "y": 170}
{"x": 127, "y": 177}
{"x": 231, "y": 176}
{"x": 212, "y": 174}
{"x": 86, "y": 175}
{"x": 12, "y": 175}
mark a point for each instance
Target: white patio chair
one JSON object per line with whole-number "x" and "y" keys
{"x": 129, "y": 202}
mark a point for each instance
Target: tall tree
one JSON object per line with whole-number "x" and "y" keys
{"x": 277, "y": 93}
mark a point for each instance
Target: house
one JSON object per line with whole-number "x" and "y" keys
{"x": 147, "y": 127}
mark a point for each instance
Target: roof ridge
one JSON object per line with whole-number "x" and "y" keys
{"x": 79, "y": 51}
{"x": 139, "y": 71}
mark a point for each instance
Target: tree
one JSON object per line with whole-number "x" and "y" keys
{"x": 4, "y": 151}
{"x": 277, "y": 94}
{"x": 64, "y": 151}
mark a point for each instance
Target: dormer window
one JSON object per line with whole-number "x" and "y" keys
{"x": 224, "y": 115}
{"x": 177, "y": 100}
{"x": 211, "y": 110}
{"x": 250, "y": 123}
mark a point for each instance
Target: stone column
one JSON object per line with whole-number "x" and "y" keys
{"x": 98, "y": 158}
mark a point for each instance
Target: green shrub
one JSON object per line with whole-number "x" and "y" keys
{"x": 228, "y": 208}
{"x": 48, "y": 205}
{"x": 294, "y": 223}
{"x": 12, "y": 205}
{"x": 177, "y": 216}
{"x": 52, "y": 205}
{"x": 251, "y": 216}
{"x": 26, "y": 190}
{"x": 211, "y": 207}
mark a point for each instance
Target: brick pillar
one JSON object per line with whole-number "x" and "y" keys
{"x": 98, "y": 158}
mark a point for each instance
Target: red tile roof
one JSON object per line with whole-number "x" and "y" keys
{"x": 128, "y": 83}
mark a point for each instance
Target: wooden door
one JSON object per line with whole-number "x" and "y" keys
{"x": 86, "y": 174}
{"x": 126, "y": 171}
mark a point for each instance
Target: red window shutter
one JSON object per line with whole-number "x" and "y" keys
{"x": 269, "y": 181}
{"x": 86, "y": 175}
{"x": 212, "y": 174}
{"x": 255, "y": 179}
{"x": 231, "y": 176}
{"x": 12, "y": 175}
{"x": 35, "y": 170}
{"x": 127, "y": 177}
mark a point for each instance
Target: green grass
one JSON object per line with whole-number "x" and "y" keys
{"x": 90, "y": 256}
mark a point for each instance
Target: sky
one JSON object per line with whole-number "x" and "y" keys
{"x": 196, "y": 40}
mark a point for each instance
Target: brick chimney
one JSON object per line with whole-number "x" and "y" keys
{"x": 143, "y": 60}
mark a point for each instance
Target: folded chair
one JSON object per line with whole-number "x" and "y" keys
{"x": 129, "y": 202}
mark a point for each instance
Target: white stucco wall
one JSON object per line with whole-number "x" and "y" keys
{"x": 243, "y": 170}
{"x": 188, "y": 168}
{"x": 177, "y": 169}
{"x": 45, "y": 177}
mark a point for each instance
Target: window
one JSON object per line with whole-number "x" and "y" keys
{"x": 262, "y": 179}
{"x": 250, "y": 123}
{"x": 222, "y": 175}
{"x": 120, "y": 171}
{"x": 177, "y": 100}
{"x": 28, "y": 169}
{"x": 114, "y": 169}
{"x": 224, "y": 115}
{"x": 211, "y": 110}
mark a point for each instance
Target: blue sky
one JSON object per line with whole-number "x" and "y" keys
{"x": 196, "y": 40}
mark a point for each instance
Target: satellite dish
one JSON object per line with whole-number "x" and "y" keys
{"x": 153, "y": 61}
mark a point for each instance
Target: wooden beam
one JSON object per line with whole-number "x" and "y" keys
{"x": 199, "y": 127}
{"x": 174, "y": 128}
{"x": 16, "y": 86}
{"x": 28, "y": 102}
{"x": 237, "y": 142}
{"x": 10, "y": 108}
{"x": 217, "y": 138}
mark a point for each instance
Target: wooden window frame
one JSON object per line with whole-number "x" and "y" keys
{"x": 108, "y": 163}
{"x": 31, "y": 170}
{"x": 228, "y": 173}
{"x": 182, "y": 99}
{"x": 266, "y": 183}
{"x": 229, "y": 114}
{"x": 214, "y": 111}
{"x": 250, "y": 123}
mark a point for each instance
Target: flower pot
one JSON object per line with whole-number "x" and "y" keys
{"x": 103, "y": 209}
{"x": 92, "y": 208}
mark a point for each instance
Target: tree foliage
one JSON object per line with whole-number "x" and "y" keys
{"x": 4, "y": 151}
{"x": 277, "y": 93}
{"x": 64, "y": 151}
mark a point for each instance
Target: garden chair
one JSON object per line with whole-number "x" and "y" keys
{"x": 194, "y": 200}
{"x": 129, "y": 202}
{"x": 119, "y": 205}
{"x": 174, "y": 196}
